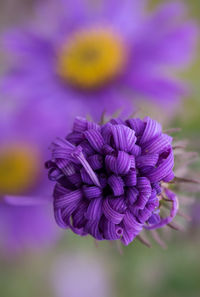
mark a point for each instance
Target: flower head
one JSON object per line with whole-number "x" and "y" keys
{"x": 90, "y": 54}
{"x": 110, "y": 178}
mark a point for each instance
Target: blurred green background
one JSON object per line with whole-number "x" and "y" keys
{"x": 138, "y": 271}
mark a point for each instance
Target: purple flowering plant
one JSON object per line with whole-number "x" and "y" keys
{"x": 87, "y": 56}
{"x": 112, "y": 179}
{"x": 81, "y": 63}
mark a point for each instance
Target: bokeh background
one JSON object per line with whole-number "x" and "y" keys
{"x": 76, "y": 267}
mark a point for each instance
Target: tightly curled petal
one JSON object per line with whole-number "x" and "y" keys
{"x": 136, "y": 151}
{"x": 154, "y": 219}
{"x": 59, "y": 190}
{"x": 103, "y": 180}
{"x": 91, "y": 192}
{"x": 141, "y": 201}
{"x": 144, "y": 215}
{"x": 95, "y": 161}
{"x": 151, "y": 130}
{"x": 85, "y": 177}
{"x": 132, "y": 194}
{"x": 158, "y": 144}
{"x": 131, "y": 222}
{"x": 72, "y": 197}
{"x": 95, "y": 139}
{"x": 111, "y": 231}
{"x": 153, "y": 202}
{"x": 75, "y": 179}
{"x": 68, "y": 211}
{"x": 133, "y": 165}
{"x": 123, "y": 137}
{"x": 147, "y": 160}
{"x": 75, "y": 138}
{"x": 79, "y": 215}
{"x": 117, "y": 121}
{"x": 55, "y": 174}
{"x": 169, "y": 177}
{"x": 163, "y": 170}
{"x": 144, "y": 186}
{"x": 92, "y": 227}
{"x": 87, "y": 149}
{"x": 81, "y": 124}
{"x": 137, "y": 125}
{"x": 78, "y": 231}
{"x": 106, "y": 132}
{"x": 127, "y": 237}
{"x": 119, "y": 164}
{"x": 62, "y": 149}
{"x": 107, "y": 149}
{"x": 117, "y": 185}
{"x": 130, "y": 179}
{"x": 112, "y": 215}
{"x": 118, "y": 204}
{"x": 94, "y": 210}
{"x": 59, "y": 219}
{"x": 66, "y": 167}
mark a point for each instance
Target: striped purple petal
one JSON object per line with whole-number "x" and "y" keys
{"x": 117, "y": 185}
{"x": 112, "y": 231}
{"x": 94, "y": 210}
{"x": 130, "y": 179}
{"x": 119, "y": 164}
{"x": 123, "y": 138}
{"x": 91, "y": 192}
{"x": 147, "y": 160}
{"x": 151, "y": 130}
{"x": 95, "y": 139}
{"x": 132, "y": 194}
{"x": 112, "y": 215}
{"x": 163, "y": 169}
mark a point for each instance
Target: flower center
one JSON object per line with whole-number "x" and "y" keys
{"x": 18, "y": 169}
{"x": 92, "y": 57}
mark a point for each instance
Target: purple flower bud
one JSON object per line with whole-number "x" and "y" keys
{"x": 110, "y": 178}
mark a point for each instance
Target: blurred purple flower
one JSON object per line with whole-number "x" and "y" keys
{"x": 80, "y": 56}
{"x": 26, "y": 220}
{"x": 109, "y": 178}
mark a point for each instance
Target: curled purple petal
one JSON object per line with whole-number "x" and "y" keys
{"x": 112, "y": 215}
{"x": 117, "y": 185}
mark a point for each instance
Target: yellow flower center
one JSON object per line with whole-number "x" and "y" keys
{"x": 91, "y": 58}
{"x": 18, "y": 169}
